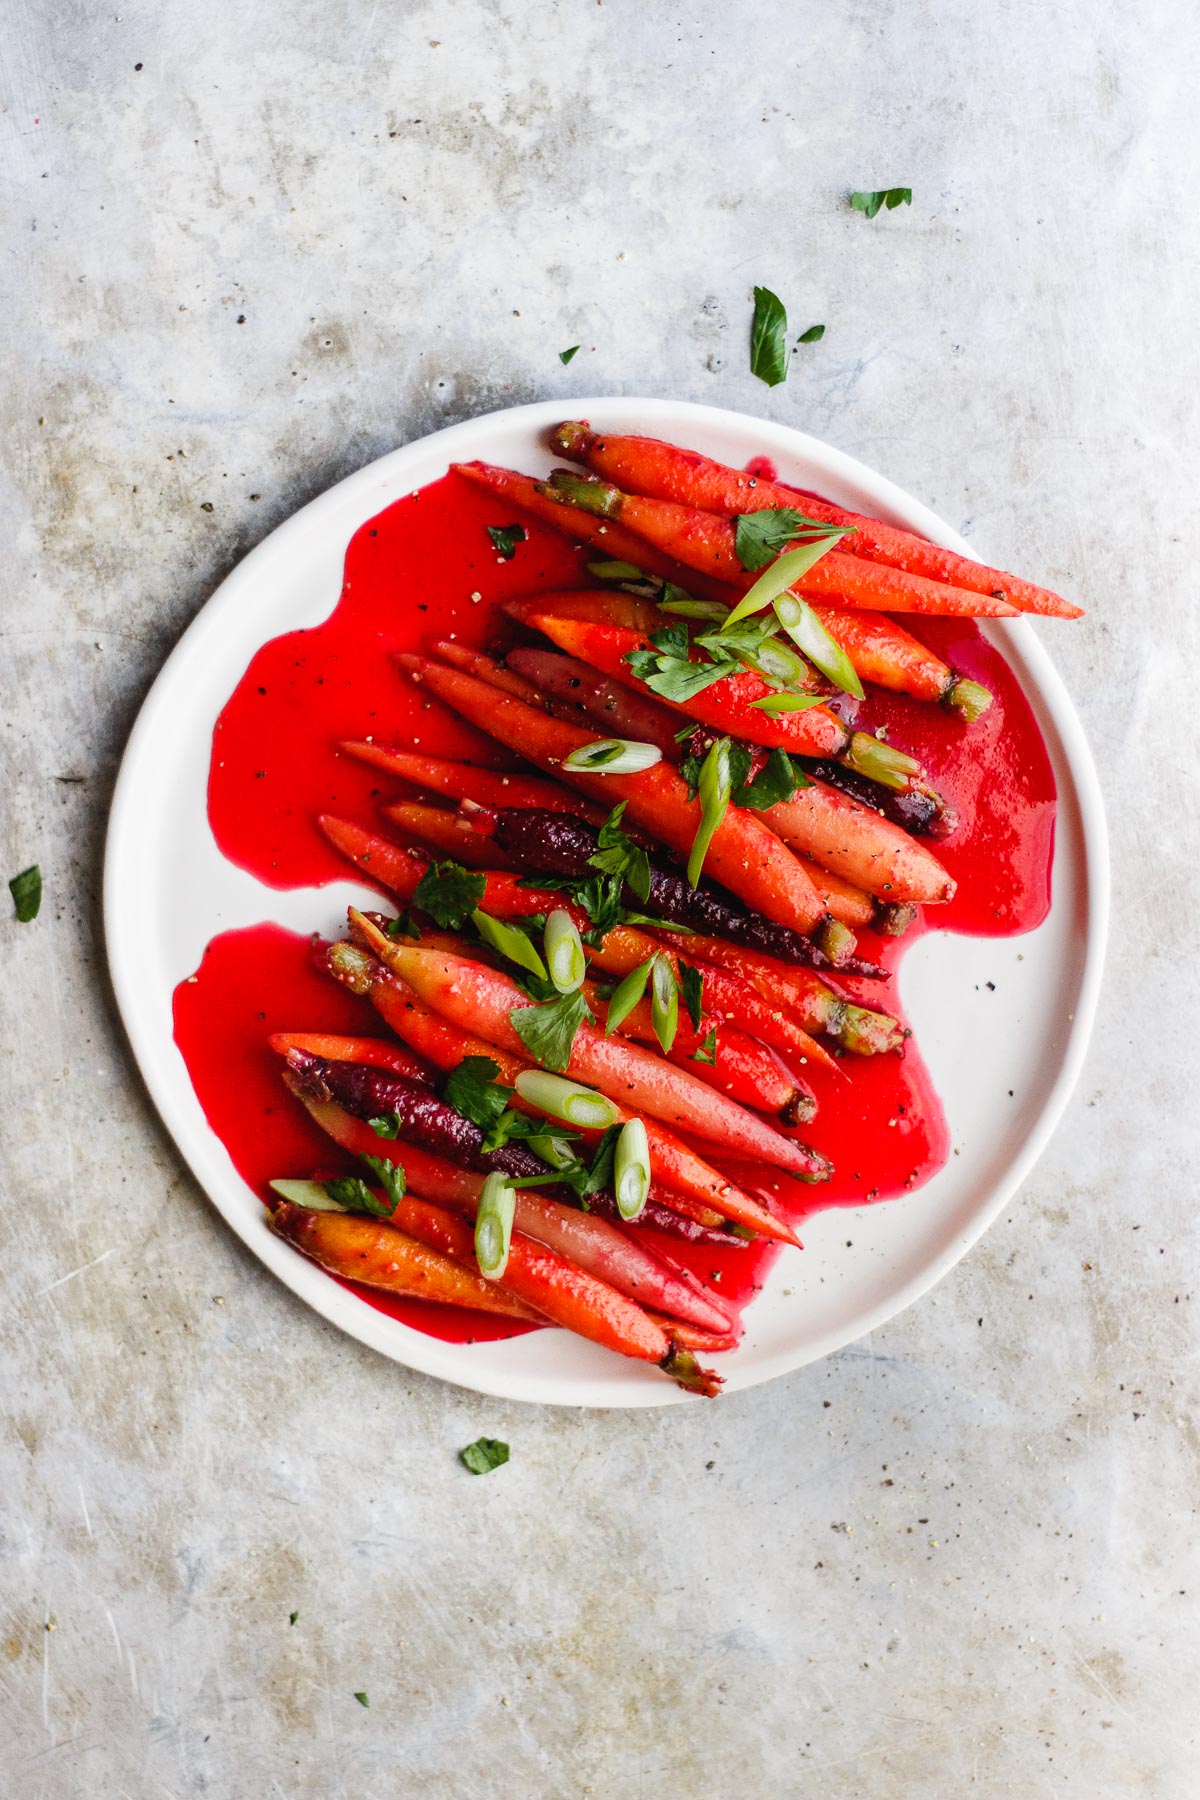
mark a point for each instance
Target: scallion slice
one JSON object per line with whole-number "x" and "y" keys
{"x": 714, "y": 786}
{"x": 509, "y": 942}
{"x": 559, "y": 1098}
{"x": 631, "y": 1169}
{"x": 779, "y": 575}
{"x": 564, "y": 951}
{"x": 613, "y": 756}
{"x": 664, "y": 1002}
{"x": 626, "y": 995}
{"x": 806, "y": 630}
{"x": 788, "y": 703}
{"x": 306, "y": 1193}
{"x": 493, "y": 1226}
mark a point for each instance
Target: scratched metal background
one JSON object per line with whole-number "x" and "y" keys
{"x": 245, "y": 250}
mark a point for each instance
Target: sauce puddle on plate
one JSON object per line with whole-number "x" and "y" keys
{"x": 426, "y": 568}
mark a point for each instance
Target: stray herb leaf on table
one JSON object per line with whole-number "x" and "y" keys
{"x": 768, "y": 338}
{"x": 484, "y": 1455}
{"x": 26, "y": 890}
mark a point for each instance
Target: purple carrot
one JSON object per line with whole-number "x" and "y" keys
{"x": 426, "y": 1121}
{"x": 557, "y": 844}
{"x": 919, "y": 813}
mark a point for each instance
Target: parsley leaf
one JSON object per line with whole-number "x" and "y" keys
{"x": 386, "y": 1126}
{"x": 26, "y": 890}
{"x": 600, "y": 1175}
{"x": 352, "y": 1192}
{"x": 473, "y": 1090}
{"x": 872, "y": 201}
{"x": 548, "y": 1032}
{"x": 449, "y": 893}
{"x": 675, "y": 678}
{"x": 391, "y": 1178}
{"x": 762, "y": 535}
{"x": 617, "y": 854}
{"x": 362, "y": 1699}
{"x": 292, "y": 1617}
{"x": 691, "y": 987}
{"x": 564, "y": 356}
{"x": 813, "y": 335}
{"x": 707, "y": 1051}
{"x": 505, "y": 539}
{"x": 484, "y": 1455}
{"x": 768, "y": 335}
{"x": 777, "y": 780}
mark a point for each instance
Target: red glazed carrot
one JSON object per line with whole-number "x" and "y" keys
{"x": 692, "y": 1338}
{"x": 684, "y": 1183}
{"x": 845, "y": 902}
{"x": 440, "y": 831}
{"x": 376, "y": 1053}
{"x": 742, "y": 1067}
{"x": 726, "y": 706}
{"x": 595, "y": 606}
{"x": 883, "y": 652}
{"x": 744, "y": 855}
{"x": 854, "y": 842}
{"x": 542, "y": 1286}
{"x": 664, "y": 472}
{"x": 485, "y": 668}
{"x": 811, "y": 1001}
{"x": 400, "y": 872}
{"x": 471, "y": 994}
{"x": 381, "y": 1256}
{"x": 464, "y": 781}
{"x": 608, "y": 541}
{"x": 704, "y": 541}
{"x": 625, "y": 949}
{"x": 589, "y": 697}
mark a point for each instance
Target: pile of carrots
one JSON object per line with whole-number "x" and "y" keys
{"x": 610, "y": 972}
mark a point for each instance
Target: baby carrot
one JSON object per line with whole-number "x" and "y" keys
{"x": 744, "y": 854}
{"x": 664, "y": 472}
{"x": 381, "y": 1256}
{"x": 705, "y": 541}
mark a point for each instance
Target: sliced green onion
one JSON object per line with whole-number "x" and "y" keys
{"x": 554, "y": 1149}
{"x": 562, "y": 1099}
{"x": 564, "y": 951}
{"x": 687, "y": 608}
{"x": 779, "y": 575}
{"x": 493, "y": 1226}
{"x": 788, "y": 703}
{"x": 775, "y": 661}
{"x": 614, "y": 756}
{"x": 631, "y": 1169}
{"x": 307, "y": 1193}
{"x": 626, "y": 995}
{"x": 664, "y": 1002}
{"x": 510, "y": 943}
{"x": 880, "y": 762}
{"x": 805, "y": 629}
{"x": 615, "y": 571}
{"x": 714, "y": 785}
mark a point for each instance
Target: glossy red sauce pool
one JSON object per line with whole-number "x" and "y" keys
{"x": 426, "y": 567}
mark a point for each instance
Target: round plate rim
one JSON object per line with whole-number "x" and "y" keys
{"x": 416, "y": 1349}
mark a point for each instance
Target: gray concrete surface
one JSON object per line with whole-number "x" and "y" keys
{"x": 247, "y": 249}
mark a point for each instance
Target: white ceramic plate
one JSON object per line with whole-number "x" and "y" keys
{"x": 167, "y": 891}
